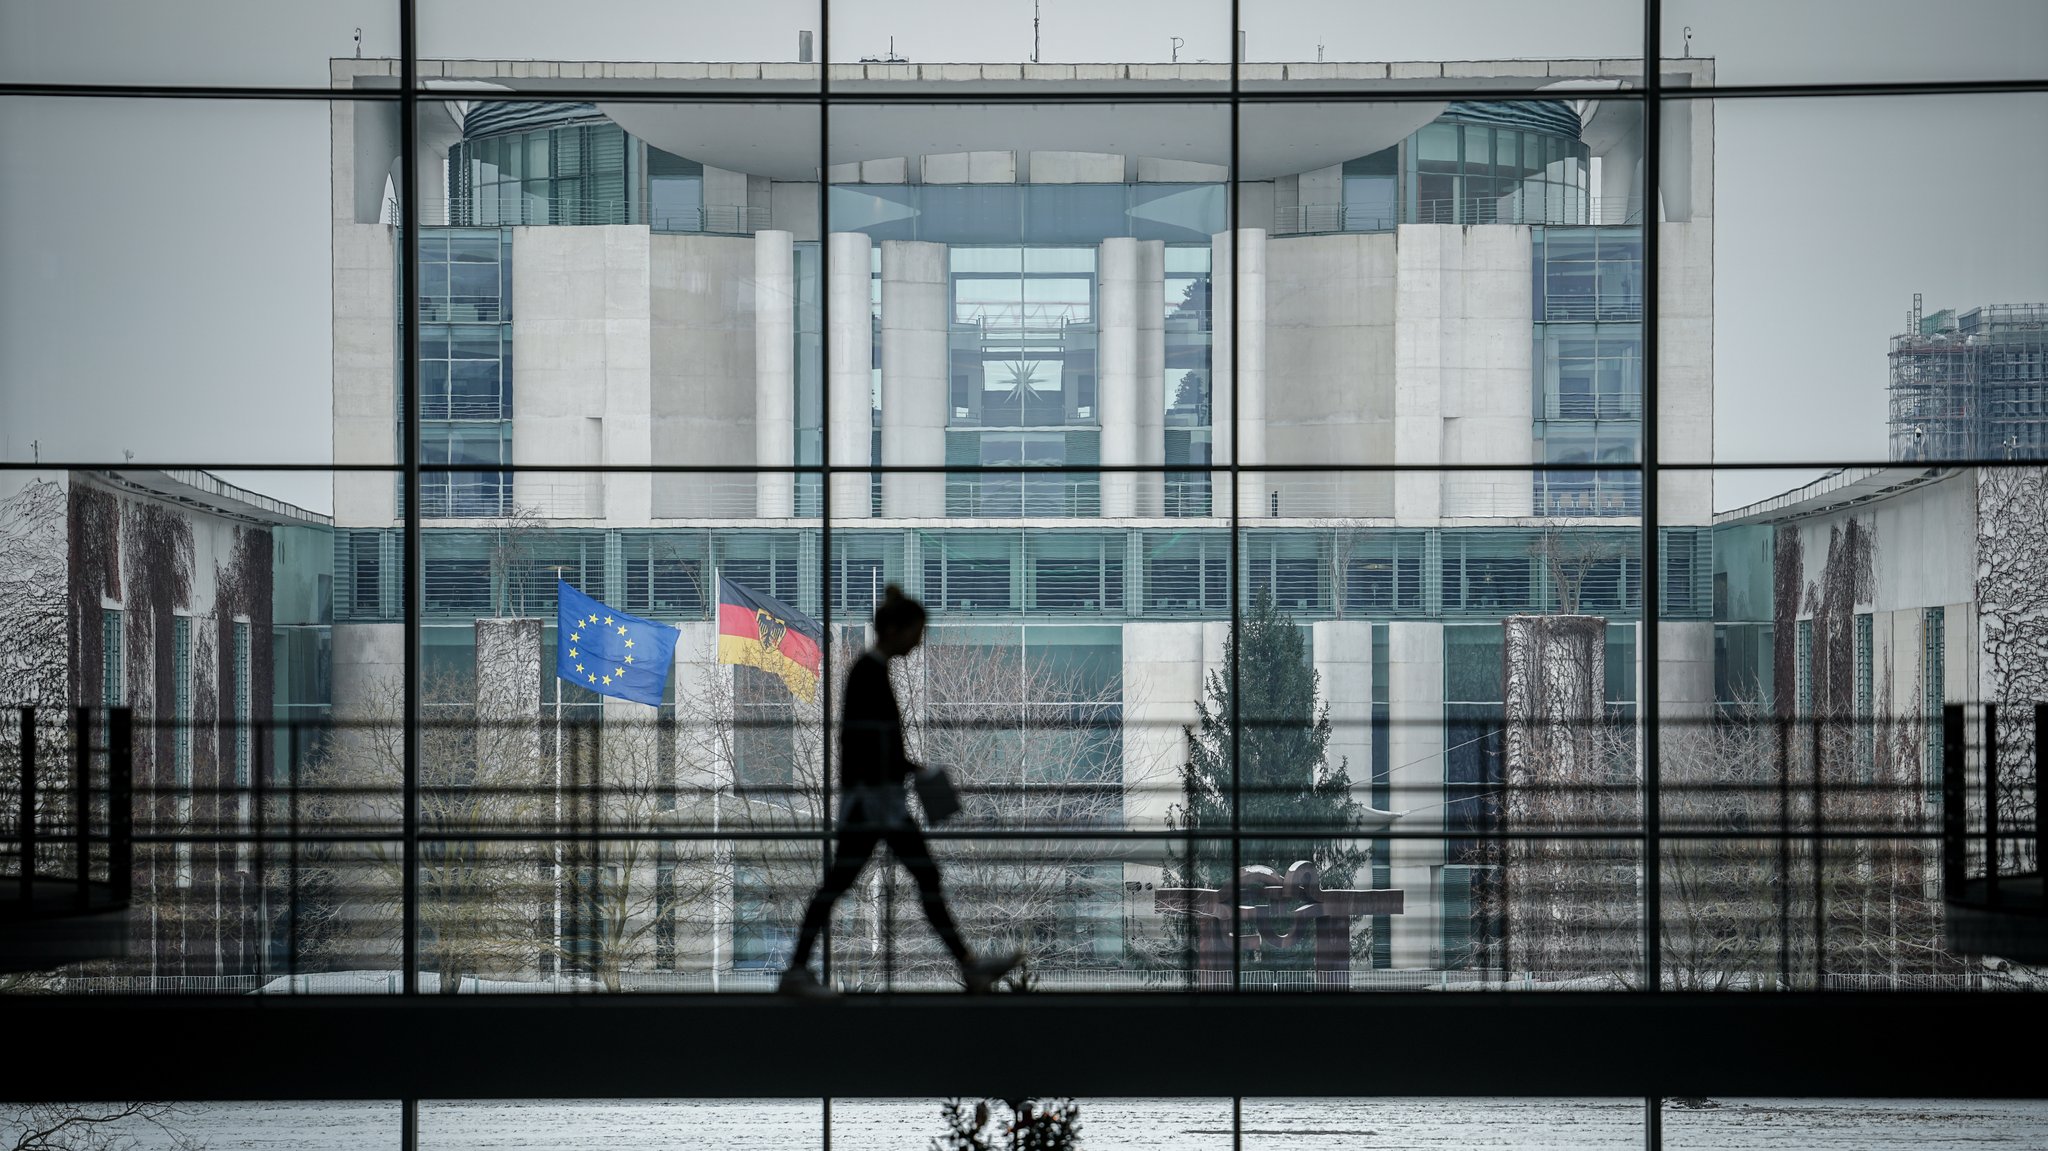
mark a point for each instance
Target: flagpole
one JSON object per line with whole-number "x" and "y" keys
{"x": 721, "y": 883}
{"x": 558, "y": 774}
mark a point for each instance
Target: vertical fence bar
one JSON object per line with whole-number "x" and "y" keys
{"x": 1238, "y": 584}
{"x": 291, "y": 821}
{"x": 1817, "y": 788}
{"x": 1952, "y": 854}
{"x": 409, "y": 374}
{"x": 259, "y": 767}
{"x": 1784, "y": 854}
{"x": 1650, "y": 612}
{"x": 2041, "y": 778}
{"x": 27, "y": 819}
{"x": 81, "y": 804}
{"x": 827, "y": 745}
{"x": 121, "y": 803}
{"x": 1991, "y": 804}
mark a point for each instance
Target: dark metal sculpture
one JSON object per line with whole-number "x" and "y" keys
{"x": 1285, "y": 917}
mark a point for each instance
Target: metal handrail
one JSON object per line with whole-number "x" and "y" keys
{"x": 482, "y": 211}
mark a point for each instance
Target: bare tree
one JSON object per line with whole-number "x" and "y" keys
{"x": 1573, "y": 558}
{"x": 619, "y": 890}
{"x": 478, "y": 898}
{"x": 90, "y": 1126}
{"x": 1031, "y": 746}
{"x": 1738, "y": 879}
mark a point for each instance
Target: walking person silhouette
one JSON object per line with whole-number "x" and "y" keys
{"x": 873, "y": 766}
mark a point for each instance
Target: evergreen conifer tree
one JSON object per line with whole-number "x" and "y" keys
{"x": 1286, "y": 781}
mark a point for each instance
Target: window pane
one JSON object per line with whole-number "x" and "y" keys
{"x": 126, "y": 42}
{"x": 1757, "y": 42}
{"x": 227, "y": 350}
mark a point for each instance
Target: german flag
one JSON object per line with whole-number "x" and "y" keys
{"x": 762, "y": 631}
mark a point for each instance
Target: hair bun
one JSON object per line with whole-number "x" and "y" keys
{"x": 892, "y": 594}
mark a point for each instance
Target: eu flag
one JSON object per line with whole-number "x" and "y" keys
{"x": 610, "y": 652}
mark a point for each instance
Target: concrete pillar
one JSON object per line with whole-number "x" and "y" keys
{"x": 1117, "y": 391}
{"x": 1461, "y": 370}
{"x": 1621, "y": 181}
{"x": 1343, "y": 660}
{"x": 1685, "y": 669}
{"x": 1249, "y": 403}
{"x": 626, "y": 436}
{"x": 774, "y": 373}
{"x": 508, "y": 696}
{"x": 703, "y": 775}
{"x": 508, "y": 671}
{"x": 849, "y": 374}
{"x": 914, "y": 372}
{"x": 1555, "y": 751}
{"x": 1415, "y": 747}
{"x": 1148, "y": 490}
{"x": 1222, "y": 387}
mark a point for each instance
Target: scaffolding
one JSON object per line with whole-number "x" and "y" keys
{"x": 1972, "y": 385}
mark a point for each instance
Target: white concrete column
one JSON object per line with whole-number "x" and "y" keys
{"x": 1222, "y": 387}
{"x": 1118, "y": 267}
{"x": 1621, "y": 188}
{"x": 1343, "y": 660}
{"x": 1148, "y": 490}
{"x": 703, "y": 779}
{"x": 774, "y": 373}
{"x": 1249, "y": 403}
{"x": 1685, "y": 669}
{"x": 1415, "y": 759}
{"x": 849, "y": 375}
{"x": 1418, "y": 372}
{"x": 627, "y": 435}
{"x": 914, "y": 371}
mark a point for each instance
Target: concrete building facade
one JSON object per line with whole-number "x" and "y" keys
{"x": 1417, "y": 302}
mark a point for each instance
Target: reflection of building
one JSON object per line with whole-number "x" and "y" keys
{"x": 1972, "y": 386}
{"x": 1851, "y": 610}
{"x": 1043, "y": 289}
{"x": 202, "y": 607}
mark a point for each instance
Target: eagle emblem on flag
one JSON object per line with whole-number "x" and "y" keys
{"x": 761, "y": 631}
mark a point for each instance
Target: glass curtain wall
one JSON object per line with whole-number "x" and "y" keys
{"x": 1377, "y": 532}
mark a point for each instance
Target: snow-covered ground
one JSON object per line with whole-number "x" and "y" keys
{"x": 1116, "y": 1125}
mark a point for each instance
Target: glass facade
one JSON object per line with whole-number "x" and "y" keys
{"x": 465, "y": 371}
{"x": 1588, "y": 308}
{"x": 1492, "y": 163}
{"x": 1349, "y": 568}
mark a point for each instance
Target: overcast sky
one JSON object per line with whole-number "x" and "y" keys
{"x": 164, "y": 287}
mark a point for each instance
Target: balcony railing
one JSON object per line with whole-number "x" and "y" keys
{"x": 488, "y": 211}
{"x": 1467, "y": 210}
{"x": 1602, "y": 307}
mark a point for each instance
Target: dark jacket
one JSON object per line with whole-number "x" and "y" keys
{"x": 871, "y": 728}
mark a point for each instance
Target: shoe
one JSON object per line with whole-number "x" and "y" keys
{"x": 980, "y": 975}
{"x": 800, "y": 983}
